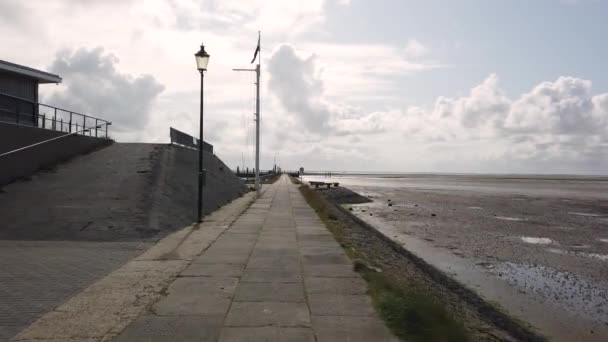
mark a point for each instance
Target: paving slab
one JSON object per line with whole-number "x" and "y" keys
{"x": 197, "y": 296}
{"x": 237, "y": 256}
{"x": 351, "y": 328}
{"x": 269, "y": 292}
{"x": 326, "y": 259}
{"x": 344, "y": 286}
{"x": 270, "y": 275}
{"x": 151, "y": 328}
{"x": 267, "y": 334}
{"x": 259, "y": 314}
{"x": 214, "y": 270}
{"x": 342, "y": 271}
{"x": 285, "y": 262}
{"x": 322, "y": 304}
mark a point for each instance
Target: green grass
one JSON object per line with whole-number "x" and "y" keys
{"x": 412, "y": 312}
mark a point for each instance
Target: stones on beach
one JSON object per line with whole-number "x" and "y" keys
{"x": 390, "y": 204}
{"x": 433, "y": 214}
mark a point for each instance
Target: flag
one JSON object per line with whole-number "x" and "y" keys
{"x": 257, "y": 50}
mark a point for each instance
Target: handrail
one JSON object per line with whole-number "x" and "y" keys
{"x": 49, "y": 106}
{"x": 60, "y": 117}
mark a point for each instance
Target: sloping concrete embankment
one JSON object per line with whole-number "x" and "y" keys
{"x": 123, "y": 192}
{"x": 65, "y": 227}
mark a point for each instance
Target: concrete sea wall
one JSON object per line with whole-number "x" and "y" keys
{"x": 123, "y": 192}
{"x": 26, "y": 162}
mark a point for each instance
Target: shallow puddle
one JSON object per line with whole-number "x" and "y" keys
{"x": 598, "y": 256}
{"x": 584, "y": 214}
{"x": 537, "y": 240}
{"x": 508, "y": 218}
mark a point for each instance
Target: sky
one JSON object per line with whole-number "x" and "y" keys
{"x": 473, "y": 86}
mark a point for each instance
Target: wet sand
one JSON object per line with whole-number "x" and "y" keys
{"x": 536, "y": 246}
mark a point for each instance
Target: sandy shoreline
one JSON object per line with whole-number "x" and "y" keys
{"x": 541, "y": 253}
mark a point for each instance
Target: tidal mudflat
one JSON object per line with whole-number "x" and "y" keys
{"x": 535, "y": 245}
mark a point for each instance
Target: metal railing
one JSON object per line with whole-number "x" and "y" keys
{"x": 30, "y": 113}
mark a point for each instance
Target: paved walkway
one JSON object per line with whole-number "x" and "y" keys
{"x": 276, "y": 274}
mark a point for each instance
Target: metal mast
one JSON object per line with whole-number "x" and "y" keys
{"x": 257, "y": 120}
{"x": 257, "y": 114}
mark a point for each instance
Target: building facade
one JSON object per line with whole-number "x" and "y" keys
{"x": 19, "y": 92}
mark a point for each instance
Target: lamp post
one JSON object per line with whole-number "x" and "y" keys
{"x": 202, "y": 59}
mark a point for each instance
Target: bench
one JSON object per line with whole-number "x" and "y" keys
{"x": 317, "y": 184}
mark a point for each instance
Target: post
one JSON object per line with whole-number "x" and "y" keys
{"x": 18, "y": 112}
{"x": 257, "y": 127}
{"x": 44, "y": 120}
{"x": 200, "y": 157}
{"x": 55, "y": 120}
{"x": 70, "y": 130}
{"x": 257, "y": 115}
{"x": 95, "y": 128}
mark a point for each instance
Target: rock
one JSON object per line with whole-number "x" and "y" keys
{"x": 390, "y": 204}
{"x": 433, "y": 215}
{"x": 351, "y": 209}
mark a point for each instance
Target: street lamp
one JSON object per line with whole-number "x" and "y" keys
{"x": 202, "y": 59}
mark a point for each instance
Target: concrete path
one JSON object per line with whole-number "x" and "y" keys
{"x": 276, "y": 274}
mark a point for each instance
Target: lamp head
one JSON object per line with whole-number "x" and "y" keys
{"x": 202, "y": 59}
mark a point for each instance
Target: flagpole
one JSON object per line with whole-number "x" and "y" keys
{"x": 258, "y": 54}
{"x": 257, "y": 121}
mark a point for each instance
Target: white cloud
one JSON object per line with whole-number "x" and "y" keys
{"x": 92, "y": 85}
{"x": 555, "y": 122}
{"x": 414, "y": 49}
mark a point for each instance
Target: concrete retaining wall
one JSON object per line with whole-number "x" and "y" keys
{"x": 25, "y": 163}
